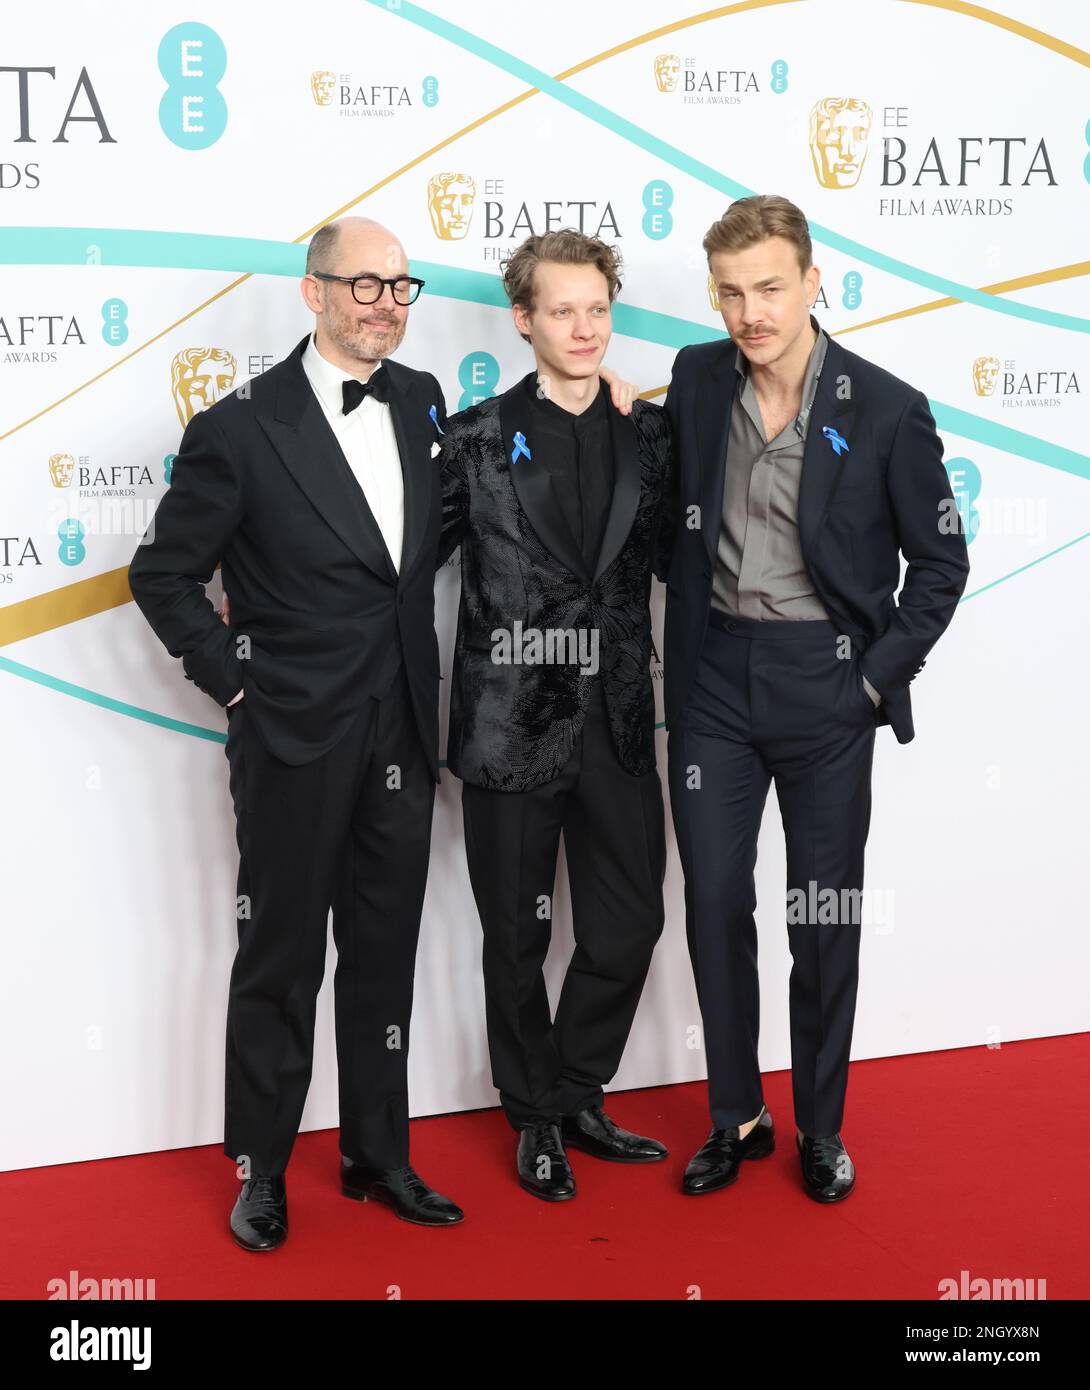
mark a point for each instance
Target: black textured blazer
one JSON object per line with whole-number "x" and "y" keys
{"x": 513, "y": 726}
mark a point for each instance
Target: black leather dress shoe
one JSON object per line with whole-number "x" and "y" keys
{"x": 716, "y": 1163}
{"x": 543, "y": 1165}
{"x": 401, "y": 1188}
{"x": 828, "y": 1174}
{"x": 595, "y": 1133}
{"x": 259, "y": 1220}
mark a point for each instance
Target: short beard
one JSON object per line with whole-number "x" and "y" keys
{"x": 357, "y": 340}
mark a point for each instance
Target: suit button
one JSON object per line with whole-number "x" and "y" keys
{"x": 400, "y": 600}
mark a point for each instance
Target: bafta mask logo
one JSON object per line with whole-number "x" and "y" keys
{"x": 667, "y": 67}
{"x": 321, "y": 87}
{"x": 450, "y": 204}
{"x": 198, "y": 378}
{"x": 839, "y": 131}
{"x": 61, "y": 467}
{"x": 713, "y": 292}
{"x": 985, "y": 375}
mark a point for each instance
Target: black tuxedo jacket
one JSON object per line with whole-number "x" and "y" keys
{"x": 512, "y": 727}
{"x": 886, "y": 494}
{"x": 261, "y": 484}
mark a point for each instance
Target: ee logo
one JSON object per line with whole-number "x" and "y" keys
{"x": 657, "y": 199}
{"x": 114, "y": 328}
{"x": 192, "y": 60}
{"x": 478, "y": 376}
{"x": 71, "y": 549}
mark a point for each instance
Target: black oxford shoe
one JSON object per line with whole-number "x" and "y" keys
{"x": 259, "y": 1220}
{"x": 595, "y": 1133}
{"x": 716, "y": 1163}
{"x": 828, "y": 1174}
{"x": 543, "y": 1165}
{"x": 401, "y": 1188}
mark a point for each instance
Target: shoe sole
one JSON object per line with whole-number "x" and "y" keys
{"x": 546, "y": 1196}
{"x": 828, "y": 1201}
{"x": 256, "y": 1249}
{"x": 762, "y": 1151}
{"x": 365, "y": 1197}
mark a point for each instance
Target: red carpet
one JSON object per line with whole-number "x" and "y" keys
{"x": 967, "y": 1160}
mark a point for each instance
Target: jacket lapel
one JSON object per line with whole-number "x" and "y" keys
{"x": 626, "y": 487}
{"x": 415, "y": 433}
{"x": 533, "y": 484}
{"x": 309, "y": 449}
{"x": 821, "y": 463}
{"x": 714, "y": 402}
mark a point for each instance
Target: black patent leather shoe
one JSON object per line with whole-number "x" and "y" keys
{"x": 717, "y": 1162}
{"x": 592, "y": 1131}
{"x": 259, "y": 1220}
{"x": 828, "y": 1174}
{"x": 543, "y": 1165}
{"x": 401, "y": 1188}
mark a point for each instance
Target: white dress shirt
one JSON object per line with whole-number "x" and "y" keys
{"x": 367, "y": 439}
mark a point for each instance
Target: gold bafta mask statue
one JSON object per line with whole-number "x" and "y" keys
{"x": 60, "y": 469}
{"x": 321, "y": 87}
{"x": 199, "y": 376}
{"x": 839, "y": 131}
{"x": 985, "y": 375}
{"x": 450, "y": 205}
{"x": 713, "y": 292}
{"x": 667, "y": 67}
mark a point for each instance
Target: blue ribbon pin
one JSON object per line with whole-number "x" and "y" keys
{"x": 435, "y": 418}
{"x": 836, "y": 440}
{"x": 520, "y": 448}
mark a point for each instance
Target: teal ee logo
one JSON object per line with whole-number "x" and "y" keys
{"x": 71, "y": 535}
{"x": 853, "y": 290}
{"x": 478, "y": 376}
{"x": 779, "y": 77}
{"x": 1086, "y": 161}
{"x": 657, "y": 199}
{"x": 965, "y": 484}
{"x": 114, "y": 328}
{"x": 192, "y": 60}
{"x": 429, "y": 91}
{"x": 168, "y": 467}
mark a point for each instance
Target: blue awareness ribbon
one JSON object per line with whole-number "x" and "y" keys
{"x": 520, "y": 448}
{"x": 435, "y": 418}
{"x": 836, "y": 440}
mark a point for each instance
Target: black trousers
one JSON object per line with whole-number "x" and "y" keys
{"x": 615, "y": 842}
{"x": 784, "y": 701}
{"x": 352, "y": 831}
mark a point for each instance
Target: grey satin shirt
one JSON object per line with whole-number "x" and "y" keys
{"x": 759, "y": 568}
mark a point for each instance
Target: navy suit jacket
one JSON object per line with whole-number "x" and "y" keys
{"x": 886, "y": 495}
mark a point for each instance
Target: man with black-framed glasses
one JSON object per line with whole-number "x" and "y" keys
{"x": 316, "y": 488}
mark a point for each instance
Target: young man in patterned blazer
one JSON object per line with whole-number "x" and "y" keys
{"x": 555, "y": 497}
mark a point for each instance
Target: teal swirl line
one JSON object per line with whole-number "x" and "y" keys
{"x": 704, "y": 173}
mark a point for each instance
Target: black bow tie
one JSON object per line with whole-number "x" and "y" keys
{"x": 352, "y": 391}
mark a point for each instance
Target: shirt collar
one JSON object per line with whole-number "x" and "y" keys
{"x": 326, "y": 378}
{"x": 551, "y": 411}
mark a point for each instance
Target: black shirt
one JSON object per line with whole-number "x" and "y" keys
{"x": 577, "y": 452}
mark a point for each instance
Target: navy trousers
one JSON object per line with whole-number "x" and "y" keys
{"x": 783, "y": 701}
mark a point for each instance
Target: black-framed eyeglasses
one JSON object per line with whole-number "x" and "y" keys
{"x": 367, "y": 289}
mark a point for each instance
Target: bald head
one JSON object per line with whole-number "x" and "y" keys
{"x": 355, "y": 244}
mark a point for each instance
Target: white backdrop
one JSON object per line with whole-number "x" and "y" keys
{"x": 119, "y": 860}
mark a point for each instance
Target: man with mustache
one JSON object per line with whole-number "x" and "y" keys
{"x": 805, "y": 472}
{"x": 316, "y": 487}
